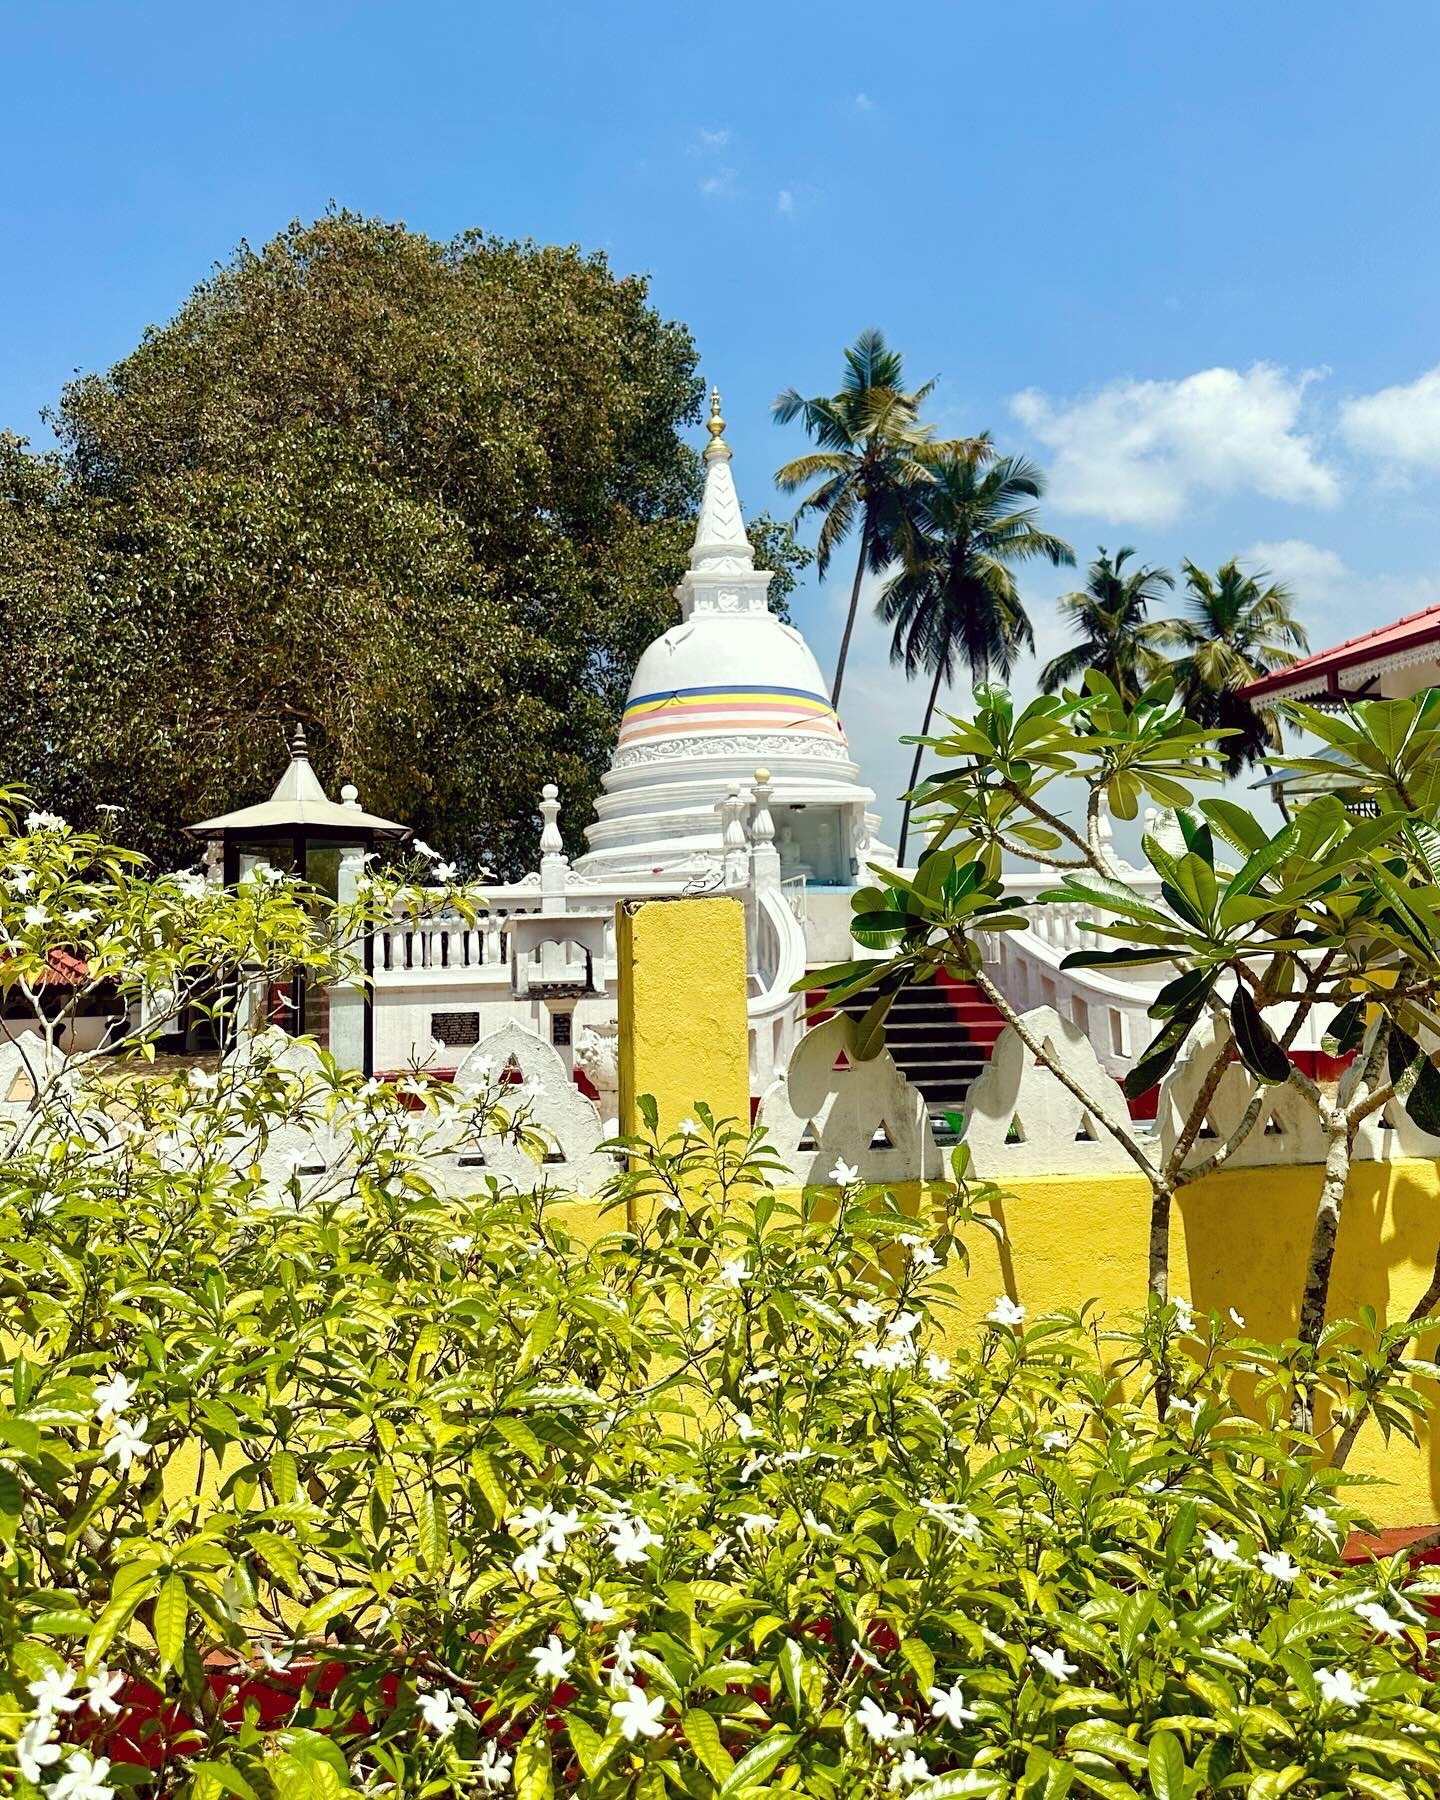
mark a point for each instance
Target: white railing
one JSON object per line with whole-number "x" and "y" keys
{"x": 775, "y": 1012}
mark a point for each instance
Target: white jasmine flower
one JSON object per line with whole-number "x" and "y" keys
{"x": 623, "y": 1661}
{"x": 879, "y": 1726}
{"x": 1279, "y": 1564}
{"x": 759, "y": 1378}
{"x": 21, "y": 880}
{"x": 954, "y": 1518}
{"x": 949, "y": 1704}
{"x": 438, "y": 1713}
{"x": 910, "y": 1769}
{"x": 101, "y": 1689}
{"x": 719, "y": 1553}
{"x": 126, "y": 1442}
{"x": 444, "y": 871}
{"x": 594, "y": 1610}
{"x": 35, "y": 1752}
{"x": 84, "y": 1778}
{"x": 734, "y": 1273}
{"x": 1223, "y": 1549}
{"x": 630, "y": 1540}
{"x": 1376, "y": 1617}
{"x": 552, "y": 1660}
{"x": 493, "y": 1767}
{"x": 865, "y": 1313}
{"x": 52, "y": 1693}
{"x": 1053, "y": 1662}
{"x": 112, "y": 1397}
{"x": 1053, "y": 1440}
{"x": 904, "y": 1325}
{"x": 1339, "y": 1687}
{"x": 937, "y": 1367}
{"x": 922, "y": 1256}
{"x": 814, "y": 1525}
{"x": 1006, "y": 1312}
{"x": 844, "y": 1174}
{"x": 1322, "y": 1520}
{"x": 1237, "y": 1319}
{"x": 81, "y": 915}
{"x": 751, "y": 1523}
{"x": 638, "y": 1715}
{"x": 746, "y": 1427}
{"x": 35, "y": 915}
{"x": 43, "y": 821}
{"x": 1184, "y": 1316}
{"x": 531, "y": 1563}
{"x": 276, "y": 1663}
{"x": 688, "y": 1128}
{"x": 1191, "y": 1408}
{"x": 421, "y": 848}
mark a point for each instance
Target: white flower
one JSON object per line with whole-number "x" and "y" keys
{"x": 594, "y": 1610}
{"x": 937, "y": 1367}
{"x": 1191, "y": 1408}
{"x": 1322, "y": 1520}
{"x": 35, "y": 915}
{"x": 955, "y": 1519}
{"x": 1223, "y": 1549}
{"x": 43, "y": 821}
{"x": 751, "y": 1523}
{"x": 35, "y": 1752}
{"x": 1006, "y": 1312}
{"x": 21, "y": 880}
{"x": 865, "y": 1313}
{"x": 1184, "y": 1316}
{"x": 949, "y": 1704}
{"x": 622, "y": 1663}
{"x": 1053, "y": 1662}
{"x": 759, "y": 1378}
{"x": 421, "y": 848}
{"x": 746, "y": 1427}
{"x": 81, "y": 915}
{"x": 112, "y": 1397}
{"x": 1279, "y": 1564}
{"x": 203, "y": 1081}
{"x": 444, "y": 871}
{"x": 1237, "y": 1319}
{"x": 719, "y": 1553}
{"x": 559, "y": 1527}
{"x": 276, "y": 1664}
{"x": 844, "y": 1174}
{"x": 922, "y": 1256}
{"x": 101, "y": 1689}
{"x": 734, "y": 1273}
{"x": 879, "y": 1726}
{"x": 437, "y": 1713}
{"x": 461, "y": 1244}
{"x": 638, "y": 1715}
{"x": 630, "y": 1539}
{"x": 493, "y": 1767}
{"x": 1054, "y": 1440}
{"x": 904, "y": 1325}
{"x": 814, "y": 1525}
{"x": 910, "y": 1769}
{"x": 52, "y": 1694}
{"x": 83, "y": 1779}
{"x": 552, "y": 1660}
{"x": 688, "y": 1128}
{"x": 1376, "y": 1617}
{"x": 530, "y": 1564}
{"x": 1339, "y": 1687}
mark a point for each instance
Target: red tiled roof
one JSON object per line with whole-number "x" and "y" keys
{"x": 1319, "y": 673}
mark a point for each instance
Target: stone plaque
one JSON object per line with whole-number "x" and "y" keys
{"x": 455, "y": 1027}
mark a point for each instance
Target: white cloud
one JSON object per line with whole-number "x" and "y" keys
{"x": 1399, "y": 424}
{"x": 719, "y": 186}
{"x": 863, "y": 103}
{"x": 1304, "y": 566}
{"x": 711, "y": 143}
{"x": 785, "y": 201}
{"x": 1334, "y": 601}
{"x": 1140, "y": 451}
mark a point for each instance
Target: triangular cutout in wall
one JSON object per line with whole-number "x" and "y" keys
{"x": 809, "y": 1137}
{"x": 884, "y": 1138}
{"x": 1086, "y": 1133}
{"x": 1273, "y": 1127}
{"x": 1207, "y": 1130}
{"x": 1016, "y": 1132}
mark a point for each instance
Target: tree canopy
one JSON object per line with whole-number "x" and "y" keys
{"x": 430, "y": 499}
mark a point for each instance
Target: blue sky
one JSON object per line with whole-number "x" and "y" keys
{"x": 1187, "y": 257}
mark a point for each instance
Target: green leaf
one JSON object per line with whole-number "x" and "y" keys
{"x": 758, "y": 1761}
{"x": 284, "y": 1477}
{"x": 20, "y": 1434}
{"x": 790, "y": 1665}
{"x": 433, "y": 1527}
{"x": 1422, "y": 1101}
{"x": 534, "y": 1773}
{"x": 1270, "y": 1784}
{"x": 1257, "y": 1045}
{"x": 1347, "y": 1029}
{"x": 703, "y": 1735}
{"x": 172, "y": 1608}
{"x": 1167, "y": 1767}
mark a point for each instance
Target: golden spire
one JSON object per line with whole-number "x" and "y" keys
{"x": 716, "y": 427}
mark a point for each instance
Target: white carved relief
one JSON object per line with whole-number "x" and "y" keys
{"x": 865, "y": 1114}
{"x": 798, "y": 743}
{"x": 1020, "y": 1120}
{"x": 567, "y": 1119}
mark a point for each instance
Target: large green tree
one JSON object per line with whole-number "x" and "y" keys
{"x": 1113, "y": 633}
{"x": 955, "y": 602}
{"x": 874, "y": 458}
{"x": 430, "y": 499}
{"x": 1235, "y": 628}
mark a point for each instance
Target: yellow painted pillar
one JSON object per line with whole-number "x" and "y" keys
{"x": 684, "y": 1031}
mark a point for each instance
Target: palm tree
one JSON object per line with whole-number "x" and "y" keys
{"x": 1108, "y": 615}
{"x": 873, "y": 460}
{"x": 1236, "y": 628}
{"x": 955, "y": 600}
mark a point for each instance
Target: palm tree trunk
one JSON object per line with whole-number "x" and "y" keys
{"x": 915, "y": 766}
{"x": 850, "y": 616}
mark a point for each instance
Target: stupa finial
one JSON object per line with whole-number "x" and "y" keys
{"x": 716, "y": 427}
{"x": 299, "y": 749}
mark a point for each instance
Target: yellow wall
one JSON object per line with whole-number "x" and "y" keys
{"x": 684, "y": 1033}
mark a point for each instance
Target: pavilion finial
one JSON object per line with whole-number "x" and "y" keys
{"x": 716, "y": 427}
{"x": 299, "y": 749}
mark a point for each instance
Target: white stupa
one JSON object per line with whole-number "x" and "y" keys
{"x": 726, "y": 691}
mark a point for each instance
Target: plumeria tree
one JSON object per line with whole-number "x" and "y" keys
{"x": 1254, "y": 930}
{"x": 350, "y": 1484}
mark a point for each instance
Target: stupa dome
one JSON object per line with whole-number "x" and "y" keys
{"x": 729, "y": 689}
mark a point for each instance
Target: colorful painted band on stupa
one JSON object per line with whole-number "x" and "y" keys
{"x": 705, "y": 709}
